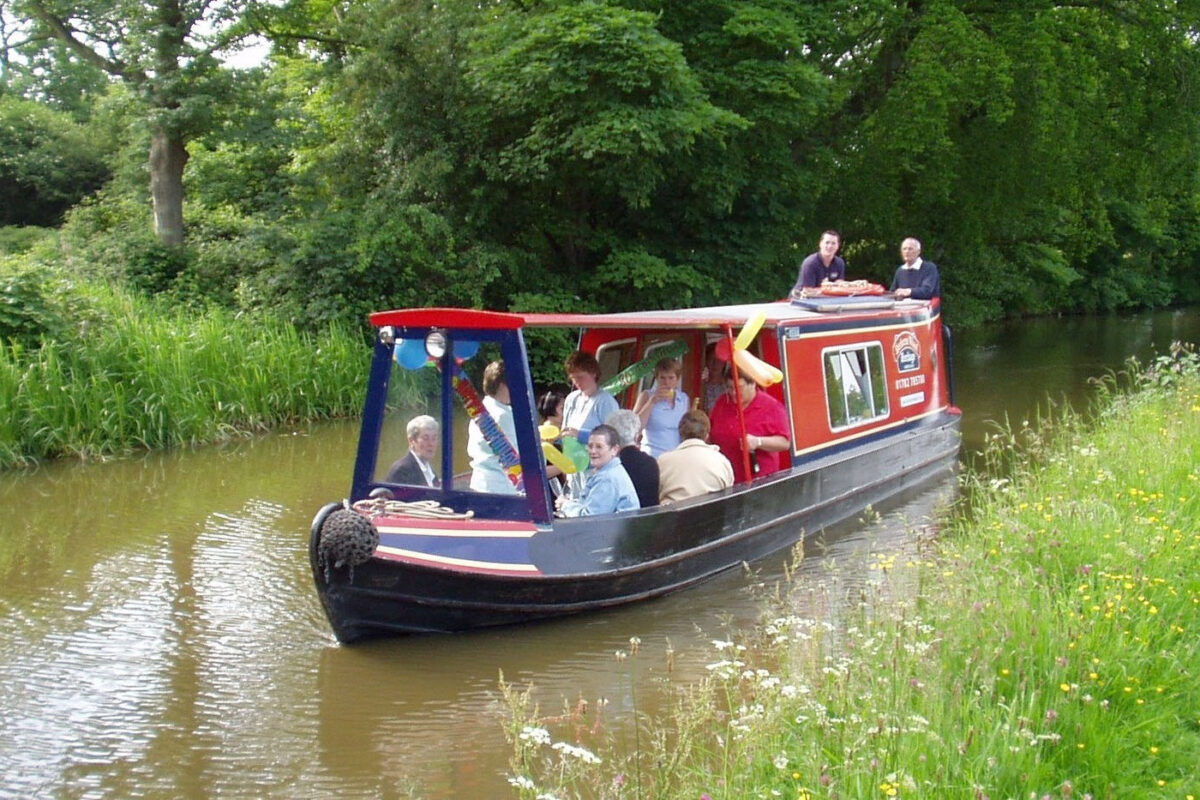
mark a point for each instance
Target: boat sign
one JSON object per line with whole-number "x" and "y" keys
{"x": 907, "y": 351}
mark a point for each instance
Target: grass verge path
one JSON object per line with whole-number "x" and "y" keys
{"x": 1051, "y": 648}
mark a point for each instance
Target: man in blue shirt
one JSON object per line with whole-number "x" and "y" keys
{"x": 823, "y": 265}
{"x": 916, "y": 277}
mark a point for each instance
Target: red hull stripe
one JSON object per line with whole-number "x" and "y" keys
{"x": 395, "y": 526}
{"x": 456, "y": 527}
{"x": 485, "y": 546}
{"x": 457, "y": 564}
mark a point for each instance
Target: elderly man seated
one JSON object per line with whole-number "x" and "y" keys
{"x": 416, "y": 467}
{"x": 694, "y": 467}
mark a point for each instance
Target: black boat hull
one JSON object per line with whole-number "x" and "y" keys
{"x": 595, "y": 563}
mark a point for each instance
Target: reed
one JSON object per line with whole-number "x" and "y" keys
{"x": 1045, "y": 646}
{"x": 143, "y": 377}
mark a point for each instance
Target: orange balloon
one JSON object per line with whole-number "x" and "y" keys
{"x": 758, "y": 370}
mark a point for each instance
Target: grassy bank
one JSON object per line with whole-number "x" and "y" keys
{"x": 1046, "y": 647}
{"x": 136, "y": 376}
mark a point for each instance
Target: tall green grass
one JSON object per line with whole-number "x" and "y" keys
{"x": 1048, "y": 646}
{"x": 136, "y": 376}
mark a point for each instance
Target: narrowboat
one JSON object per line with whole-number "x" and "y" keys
{"x": 865, "y": 382}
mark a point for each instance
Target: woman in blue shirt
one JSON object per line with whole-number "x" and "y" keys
{"x": 661, "y": 408}
{"x": 608, "y": 487}
{"x": 588, "y": 405}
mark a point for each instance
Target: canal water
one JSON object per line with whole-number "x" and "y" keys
{"x": 160, "y": 636}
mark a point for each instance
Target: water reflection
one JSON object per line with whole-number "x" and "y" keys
{"x": 139, "y": 602}
{"x": 1014, "y": 369}
{"x": 160, "y": 636}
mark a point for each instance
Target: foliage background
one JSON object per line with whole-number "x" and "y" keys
{"x": 560, "y": 155}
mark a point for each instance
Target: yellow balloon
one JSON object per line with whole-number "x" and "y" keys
{"x": 556, "y": 457}
{"x": 749, "y": 331}
{"x": 758, "y": 370}
{"x": 548, "y": 431}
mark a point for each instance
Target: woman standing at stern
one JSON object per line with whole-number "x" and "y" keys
{"x": 766, "y": 428}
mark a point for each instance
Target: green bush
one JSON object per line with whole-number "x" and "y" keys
{"x": 47, "y": 163}
{"x": 28, "y": 307}
{"x": 151, "y": 266}
{"x": 17, "y": 239}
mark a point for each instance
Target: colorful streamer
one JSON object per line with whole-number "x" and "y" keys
{"x": 488, "y": 427}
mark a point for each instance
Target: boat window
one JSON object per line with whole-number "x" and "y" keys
{"x": 452, "y": 418}
{"x": 614, "y": 356}
{"x": 855, "y": 385}
{"x": 414, "y": 404}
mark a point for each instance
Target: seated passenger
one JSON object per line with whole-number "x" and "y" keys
{"x": 588, "y": 405}
{"x": 661, "y": 408}
{"x": 550, "y": 412}
{"x": 487, "y": 473}
{"x": 695, "y": 467}
{"x": 608, "y": 488}
{"x": 767, "y": 428}
{"x": 416, "y": 467}
{"x": 641, "y": 466}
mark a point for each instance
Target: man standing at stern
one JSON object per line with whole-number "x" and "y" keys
{"x": 916, "y": 277}
{"x": 823, "y": 265}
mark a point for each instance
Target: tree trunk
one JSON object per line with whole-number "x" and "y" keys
{"x": 167, "y": 158}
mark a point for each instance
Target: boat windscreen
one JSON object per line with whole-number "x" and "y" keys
{"x": 449, "y": 421}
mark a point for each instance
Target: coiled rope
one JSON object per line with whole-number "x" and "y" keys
{"x": 423, "y": 509}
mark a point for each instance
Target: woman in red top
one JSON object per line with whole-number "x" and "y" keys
{"x": 766, "y": 428}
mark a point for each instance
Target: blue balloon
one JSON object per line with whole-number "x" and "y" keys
{"x": 465, "y": 348}
{"x": 410, "y": 353}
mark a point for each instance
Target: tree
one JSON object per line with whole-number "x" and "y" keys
{"x": 1042, "y": 149}
{"x": 165, "y": 51}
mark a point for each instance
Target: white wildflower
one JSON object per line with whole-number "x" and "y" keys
{"x": 535, "y": 735}
{"x": 583, "y": 754}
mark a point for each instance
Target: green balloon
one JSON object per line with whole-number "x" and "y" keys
{"x": 640, "y": 369}
{"x": 578, "y": 454}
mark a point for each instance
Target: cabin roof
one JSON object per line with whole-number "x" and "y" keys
{"x": 714, "y": 317}
{"x": 711, "y": 318}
